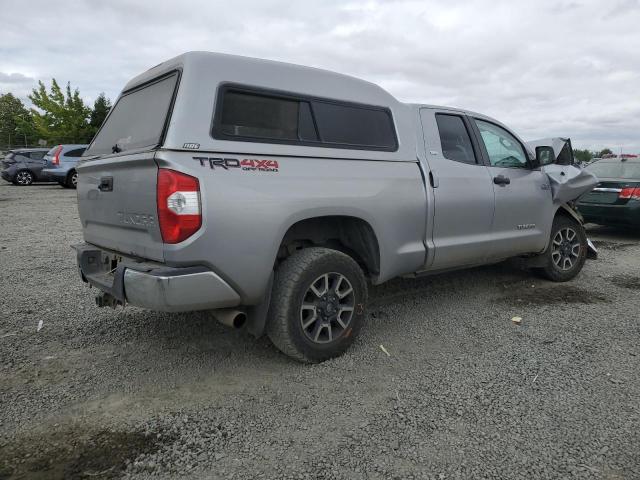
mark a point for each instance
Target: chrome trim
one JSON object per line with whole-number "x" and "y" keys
{"x": 603, "y": 189}
{"x": 178, "y": 293}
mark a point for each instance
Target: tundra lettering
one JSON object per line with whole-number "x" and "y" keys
{"x": 129, "y": 218}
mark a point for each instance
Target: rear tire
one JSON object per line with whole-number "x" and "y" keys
{"x": 23, "y": 178}
{"x": 567, "y": 250}
{"x": 72, "y": 180}
{"x": 317, "y": 305}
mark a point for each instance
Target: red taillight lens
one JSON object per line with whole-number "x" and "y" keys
{"x": 56, "y": 155}
{"x": 632, "y": 193}
{"x": 179, "y": 212}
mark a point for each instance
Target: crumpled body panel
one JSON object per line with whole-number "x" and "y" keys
{"x": 568, "y": 182}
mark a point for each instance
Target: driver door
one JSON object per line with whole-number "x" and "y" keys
{"x": 523, "y": 201}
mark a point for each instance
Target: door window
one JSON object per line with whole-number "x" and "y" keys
{"x": 454, "y": 139}
{"x": 502, "y": 147}
{"x": 37, "y": 155}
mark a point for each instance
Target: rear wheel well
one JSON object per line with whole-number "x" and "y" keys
{"x": 350, "y": 235}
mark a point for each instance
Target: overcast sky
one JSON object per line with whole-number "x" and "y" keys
{"x": 546, "y": 68}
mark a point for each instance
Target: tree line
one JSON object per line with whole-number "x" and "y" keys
{"x": 588, "y": 155}
{"x": 57, "y": 116}
{"x": 61, "y": 116}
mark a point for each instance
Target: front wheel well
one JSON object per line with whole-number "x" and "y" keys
{"x": 350, "y": 235}
{"x": 569, "y": 212}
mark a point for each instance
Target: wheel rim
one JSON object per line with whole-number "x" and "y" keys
{"x": 566, "y": 248}
{"x": 23, "y": 178}
{"x": 74, "y": 179}
{"x": 327, "y": 308}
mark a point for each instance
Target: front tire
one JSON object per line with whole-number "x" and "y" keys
{"x": 317, "y": 305}
{"x": 567, "y": 250}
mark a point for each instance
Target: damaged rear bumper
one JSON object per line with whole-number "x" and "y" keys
{"x": 152, "y": 285}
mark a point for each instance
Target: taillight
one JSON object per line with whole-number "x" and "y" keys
{"x": 56, "y": 155}
{"x": 179, "y": 212}
{"x": 632, "y": 193}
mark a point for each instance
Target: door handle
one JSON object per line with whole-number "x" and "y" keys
{"x": 433, "y": 179}
{"x": 501, "y": 180}
{"x": 106, "y": 184}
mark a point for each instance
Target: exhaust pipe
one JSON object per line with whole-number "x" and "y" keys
{"x": 230, "y": 317}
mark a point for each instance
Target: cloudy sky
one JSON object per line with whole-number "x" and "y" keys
{"x": 546, "y": 68}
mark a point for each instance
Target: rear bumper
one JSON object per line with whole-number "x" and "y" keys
{"x": 628, "y": 214}
{"x": 153, "y": 285}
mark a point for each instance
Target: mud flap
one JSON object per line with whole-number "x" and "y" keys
{"x": 257, "y": 314}
{"x": 592, "y": 251}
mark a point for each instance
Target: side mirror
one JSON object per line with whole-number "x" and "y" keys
{"x": 545, "y": 156}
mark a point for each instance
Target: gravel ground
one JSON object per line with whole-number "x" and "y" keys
{"x": 463, "y": 393}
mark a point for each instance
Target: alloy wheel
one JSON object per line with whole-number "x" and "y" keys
{"x": 327, "y": 308}
{"x": 24, "y": 178}
{"x": 566, "y": 248}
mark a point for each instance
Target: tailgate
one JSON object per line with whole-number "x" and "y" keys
{"x": 117, "y": 205}
{"x": 117, "y": 182}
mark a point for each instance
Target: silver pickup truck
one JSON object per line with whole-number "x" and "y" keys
{"x": 271, "y": 194}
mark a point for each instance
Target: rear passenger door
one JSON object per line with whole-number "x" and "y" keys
{"x": 462, "y": 190}
{"x": 36, "y": 163}
{"x": 524, "y": 209}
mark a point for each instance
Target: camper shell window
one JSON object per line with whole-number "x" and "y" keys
{"x": 138, "y": 119}
{"x": 250, "y": 115}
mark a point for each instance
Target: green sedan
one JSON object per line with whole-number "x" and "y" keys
{"x": 616, "y": 199}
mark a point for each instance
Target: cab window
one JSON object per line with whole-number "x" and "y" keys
{"x": 502, "y": 148}
{"x": 454, "y": 139}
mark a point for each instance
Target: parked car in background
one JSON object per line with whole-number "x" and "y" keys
{"x": 61, "y": 164}
{"x": 616, "y": 198}
{"x": 23, "y": 166}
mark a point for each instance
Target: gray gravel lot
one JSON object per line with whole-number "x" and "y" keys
{"x": 465, "y": 392}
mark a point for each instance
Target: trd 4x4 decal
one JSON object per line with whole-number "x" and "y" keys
{"x": 247, "y": 165}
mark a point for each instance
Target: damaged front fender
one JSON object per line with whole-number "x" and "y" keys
{"x": 568, "y": 182}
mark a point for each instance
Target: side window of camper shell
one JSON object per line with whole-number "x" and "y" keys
{"x": 250, "y": 115}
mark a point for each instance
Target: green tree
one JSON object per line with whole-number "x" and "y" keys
{"x": 60, "y": 117}
{"x": 582, "y": 155}
{"x": 606, "y": 151}
{"x": 13, "y": 116}
{"x": 101, "y": 108}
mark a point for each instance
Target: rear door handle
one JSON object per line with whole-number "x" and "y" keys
{"x": 501, "y": 180}
{"x": 433, "y": 179}
{"x": 106, "y": 184}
